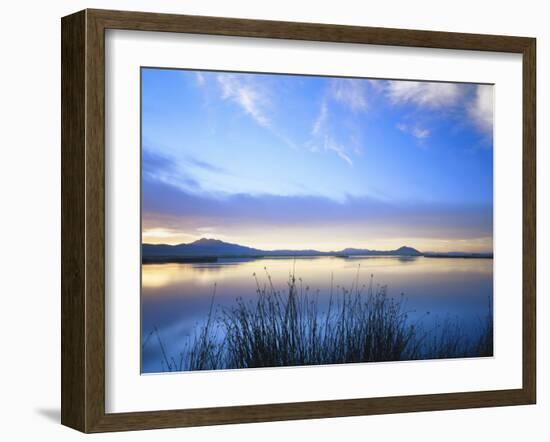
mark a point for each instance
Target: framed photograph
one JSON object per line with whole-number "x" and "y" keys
{"x": 269, "y": 220}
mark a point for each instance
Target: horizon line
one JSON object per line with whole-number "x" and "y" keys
{"x": 320, "y": 251}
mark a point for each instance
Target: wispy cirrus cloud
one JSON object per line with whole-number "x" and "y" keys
{"x": 429, "y": 94}
{"x": 321, "y": 120}
{"x": 249, "y": 96}
{"x": 332, "y": 145}
{"x": 199, "y": 77}
{"x": 350, "y": 92}
{"x": 255, "y": 98}
{"x": 324, "y": 139}
{"x": 352, "y": 95}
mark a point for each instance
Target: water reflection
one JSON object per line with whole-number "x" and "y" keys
{"x": 176, "y": 297}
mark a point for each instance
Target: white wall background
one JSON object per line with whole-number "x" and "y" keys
{"x": 30, "y": 217}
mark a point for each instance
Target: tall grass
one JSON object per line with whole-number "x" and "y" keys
{"x": 293, "y": 327}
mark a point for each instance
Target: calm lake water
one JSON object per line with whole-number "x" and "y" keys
{"x": 176, "y": 297}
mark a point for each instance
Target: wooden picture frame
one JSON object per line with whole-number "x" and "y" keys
{"x": 83, "y": 220}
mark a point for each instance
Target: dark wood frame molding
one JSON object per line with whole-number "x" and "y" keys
{"x": 83, "y": 218}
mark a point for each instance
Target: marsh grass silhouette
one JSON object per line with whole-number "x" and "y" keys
{"x": 292, "y": 328}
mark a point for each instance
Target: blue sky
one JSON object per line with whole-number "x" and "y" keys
{"x": 283, "y": 161}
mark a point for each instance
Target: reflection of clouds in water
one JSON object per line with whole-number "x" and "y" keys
{"x": 319, "y": 266}
{"x": 232, "y": 277}
{"x": 156, "y": 277}
{"x": 175, "y": 297}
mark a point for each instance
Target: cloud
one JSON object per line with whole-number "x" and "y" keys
{"x": 194, "y": 211}
{"x": 200, "y": 78}
{"x": 321, "y": 120}
{"x": 333, "y": 146}
{"x": 428, "y": 94}
{"x": 416, "y": 131}
{"x": 323, "y": 137}
{"x": 480, "y": 109}
{"x": 377, "y": 84}
{"x": 156, "y": 167}
{"x": 182, "y": 172}
{"x": 471, "y": 103}
{"x": 246, "y": 95}
{"x": 350, "y": 92}
{"x": 152, "y": 163}
{"x": 254, "y": 98}
{"x": 209, "y": 167}
{"x": 420, "y": 133}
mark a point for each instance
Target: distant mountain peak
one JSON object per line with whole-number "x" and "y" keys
{"x": 407, "y": 249}
{"x": 207, "y": 242}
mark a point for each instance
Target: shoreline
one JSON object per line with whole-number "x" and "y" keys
{"x": 216, "y": 259}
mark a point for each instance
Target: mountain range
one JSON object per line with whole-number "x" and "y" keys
{"x": 206, "y": 247}
{"x": 209, "y": 250}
